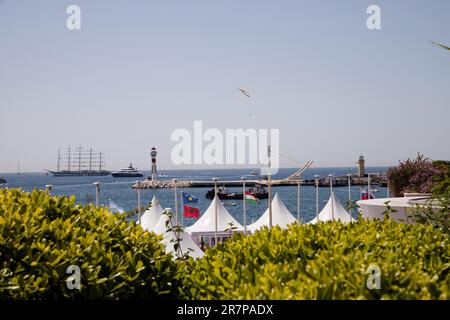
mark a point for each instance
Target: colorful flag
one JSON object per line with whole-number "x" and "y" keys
{"x": 366, "y": 195}
{"x": 250, "y": 197}
{"x": 191, "y": 212}
{"x": 188, "y": 198}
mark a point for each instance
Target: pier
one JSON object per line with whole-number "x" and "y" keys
{"x": 324, "y": 182}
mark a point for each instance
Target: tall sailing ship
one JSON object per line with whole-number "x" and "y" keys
{"x": 81, "y": 162}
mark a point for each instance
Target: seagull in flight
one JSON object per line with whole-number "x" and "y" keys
{"x": 245, "y": 92}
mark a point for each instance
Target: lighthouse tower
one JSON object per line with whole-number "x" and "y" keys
{"x": 153, "y": 154}
{"x": 361, "y": 169}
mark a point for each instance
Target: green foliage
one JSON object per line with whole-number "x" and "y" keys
{"x": 435, "y": 211}
{"x": 327, "y": 261}
{"x": 41, "y": 236}
{"x": 442, "y": 180}
{"x": 133, "y": 213}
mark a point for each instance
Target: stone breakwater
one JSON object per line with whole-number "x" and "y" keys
{"x": 161, "y": 184}
{"x": 337, "y": 182}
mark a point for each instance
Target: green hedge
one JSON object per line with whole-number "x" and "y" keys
{"x": 327, "y": 261}
{"x": 41, "y": 236}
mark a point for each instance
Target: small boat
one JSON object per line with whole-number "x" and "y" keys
{"x": 229, "y": 204}
{"x": 223, "y": 194}
{"x": 2, "y": 181}
{"x": 127, "y": 172}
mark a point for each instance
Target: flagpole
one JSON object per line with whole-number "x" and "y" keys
{"x": 181, "y": 204}
{"x": 97, "y": 193}
{"x": 244, "y": 205}
{"x": 298, "y": 199}
{"x": 316, "y": 178}
{"x": 138, "y": 183}
{"x": 176, "y": 200}
{"x": 331, "y": 192}
{"x": 269, "y": 182}
{"x": 387, "y": 189}
{"x": 349, "y": 177}
{"x": 215, "y": 210}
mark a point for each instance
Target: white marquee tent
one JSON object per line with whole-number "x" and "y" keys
{"x": 187, "y": 245}
{"x": 152, "y": 215}
{"x": 333, "y": 210}
{"x": 186, "y": 240}
{"x": 280, "y": 216}
{"x": 206, "y": 223}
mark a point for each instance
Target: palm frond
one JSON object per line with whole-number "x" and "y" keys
{"x": 440, "y": 45}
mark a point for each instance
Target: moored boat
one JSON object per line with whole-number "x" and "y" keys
{"x": 223, "y": 194}
{"x": 127, "y": 172}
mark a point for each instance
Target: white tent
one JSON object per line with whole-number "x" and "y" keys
{"x": 333, "y": 210}
{"x": 187, "y": 245}
{"x": 206, "y": 223}
{"x": 280, "y": 216}
{"x": 114, "y": 208}
{"x": 152, "y": 215}
{"x": 186, "y": 240}
{"x": 161, "y": 226}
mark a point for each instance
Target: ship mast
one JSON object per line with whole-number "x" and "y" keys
{"x": 68, "y": 160}
{"x": 59, "y": 159}
{"x": 79, "y": 151}
{"x": 90, "y": 159}
{"x": 100, "y": 163}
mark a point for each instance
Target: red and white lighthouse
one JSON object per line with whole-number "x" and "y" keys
{"x": 153, "y": 154}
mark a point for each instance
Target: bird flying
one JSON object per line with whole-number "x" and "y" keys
{"x": 245, "y": 92}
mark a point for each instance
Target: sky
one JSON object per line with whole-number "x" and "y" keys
{"x": 138, "y": 70}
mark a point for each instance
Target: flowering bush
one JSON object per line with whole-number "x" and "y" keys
{"x": 416, "y": 175}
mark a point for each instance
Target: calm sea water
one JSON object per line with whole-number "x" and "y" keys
{"x": 119, "y": 190}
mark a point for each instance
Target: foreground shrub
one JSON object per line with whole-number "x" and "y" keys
{"x": 328, "y": 261}
{"x": 436, "y": 210}
{"x": 41, "y": 236}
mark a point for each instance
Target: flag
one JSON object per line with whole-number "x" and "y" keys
{"x": 250, "y": 197}
{"x": 191, "y": 212}
{"x": 188, "y": 198}
{"x": 366, "y": 195}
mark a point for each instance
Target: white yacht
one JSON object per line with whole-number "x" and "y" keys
{"x": 127, "y": 172}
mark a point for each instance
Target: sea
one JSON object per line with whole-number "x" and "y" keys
{"x": 119, "y": 191}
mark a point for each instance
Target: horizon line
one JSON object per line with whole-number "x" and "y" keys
{"x": 197, "y": 169}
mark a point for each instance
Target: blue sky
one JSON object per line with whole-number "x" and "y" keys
{"x": 137, "y": 70}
